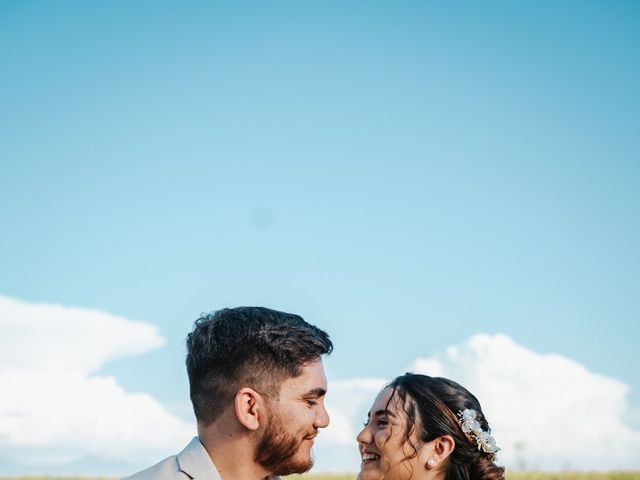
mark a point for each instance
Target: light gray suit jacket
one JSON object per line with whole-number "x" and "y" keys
{"x": 191, "y": 463}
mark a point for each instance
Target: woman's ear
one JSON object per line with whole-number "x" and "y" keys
{"x": 437, "y": 452}
{"x": 247, "y": 405}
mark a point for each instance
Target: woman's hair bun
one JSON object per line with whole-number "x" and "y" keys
{"x": 485, "y": 468}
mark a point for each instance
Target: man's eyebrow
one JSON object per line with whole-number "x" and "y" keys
{"x": 316, "y": 392}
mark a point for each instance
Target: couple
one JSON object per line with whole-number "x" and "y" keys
{"x": 257, "y": 385}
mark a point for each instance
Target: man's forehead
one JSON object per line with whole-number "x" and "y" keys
{"x": 312, "y": 380}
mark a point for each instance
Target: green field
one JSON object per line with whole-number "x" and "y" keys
{"x": 348, "y": 476}
{"x": 510, "y": 476}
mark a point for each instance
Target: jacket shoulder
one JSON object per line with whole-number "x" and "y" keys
{"x": 167, "y": 469}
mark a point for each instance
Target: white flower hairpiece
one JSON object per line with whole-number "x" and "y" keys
{"x": 472, "y": 427}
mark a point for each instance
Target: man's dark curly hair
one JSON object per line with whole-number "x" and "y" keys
{"x": 247, "y": 347}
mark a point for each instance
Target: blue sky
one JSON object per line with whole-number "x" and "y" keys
{"x": 404, "y": 175}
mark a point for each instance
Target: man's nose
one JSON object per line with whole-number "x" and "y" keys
{"x": 322, "y": 418}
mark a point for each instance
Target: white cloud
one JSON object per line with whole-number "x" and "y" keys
{"x": 347, "y": 403}
{"x": 54, "y": 404}
{"x": 54, "y": 337}
{"x": 348, "y": 400}
{"x": 546, "y": 411}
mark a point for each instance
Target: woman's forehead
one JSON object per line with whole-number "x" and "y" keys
{"x": 387, "y": 399}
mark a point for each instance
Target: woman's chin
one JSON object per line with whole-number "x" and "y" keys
{"x": 369, "y": 471}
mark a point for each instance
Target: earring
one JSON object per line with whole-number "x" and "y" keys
{"x": 431, "y": 462}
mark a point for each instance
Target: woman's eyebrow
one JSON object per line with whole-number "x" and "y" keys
{"x": 386, "y": 412}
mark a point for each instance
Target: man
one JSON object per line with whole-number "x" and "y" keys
{"x": 257, "y": 385}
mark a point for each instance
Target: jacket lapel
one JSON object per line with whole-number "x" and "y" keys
{"x": 195, "y": 462}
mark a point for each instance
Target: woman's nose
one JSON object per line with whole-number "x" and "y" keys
{"x": 364, "y": 436}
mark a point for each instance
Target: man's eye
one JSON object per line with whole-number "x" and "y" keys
{"x": 312, "y": 403}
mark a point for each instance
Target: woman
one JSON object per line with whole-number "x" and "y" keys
{"x": 427, "y": 428}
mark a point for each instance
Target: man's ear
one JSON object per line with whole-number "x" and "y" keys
{"x": 248, "y": 407}
{"x": 437, "y": 452}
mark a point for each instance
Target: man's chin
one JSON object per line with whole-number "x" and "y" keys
{"x": 301, "y": 463}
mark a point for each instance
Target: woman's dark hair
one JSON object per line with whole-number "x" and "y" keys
{"x": 432, "y": 405}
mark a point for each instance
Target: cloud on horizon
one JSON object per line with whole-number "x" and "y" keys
{"x": 57, "y": 412}
{"x": 546, "y": 411}
{"x": 54, "y": 408}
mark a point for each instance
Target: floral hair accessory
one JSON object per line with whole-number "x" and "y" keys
{"x": 472, "y": 427}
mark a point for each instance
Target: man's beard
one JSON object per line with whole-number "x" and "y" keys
{"x": 277, "y": 449}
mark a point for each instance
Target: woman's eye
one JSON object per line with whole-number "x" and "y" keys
{"x": 382, "y": 422}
